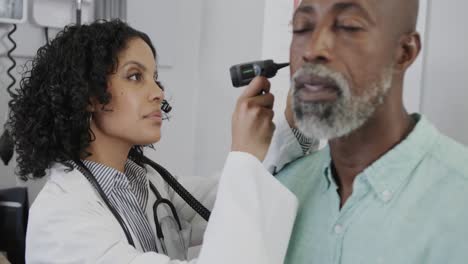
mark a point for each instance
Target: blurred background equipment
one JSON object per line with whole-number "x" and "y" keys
{"x": 11, "y": 12}
{"x": 6, "y": 147}
{"x": 14, "y": 207}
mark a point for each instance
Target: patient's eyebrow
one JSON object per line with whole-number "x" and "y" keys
{"x": 307, "y": 9}
{"x": 352, "y": 6}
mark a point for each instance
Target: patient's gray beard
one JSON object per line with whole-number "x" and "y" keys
{"x": 349, "y": 112}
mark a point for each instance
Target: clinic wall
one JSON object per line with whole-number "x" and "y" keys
{"x": 445, "y": 93}
{"x": 175, "y": 28}
{"x": 7, "y": 177}
{"x": 198, "y": 41}
{"x": 28, "y": 38}
{"x": 176, "y": 36}
{"x": 231, "y": 34}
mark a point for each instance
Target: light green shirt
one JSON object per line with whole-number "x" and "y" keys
{"x": 410, "y": 206}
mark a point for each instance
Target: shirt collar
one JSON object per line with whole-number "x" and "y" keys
{"x": 134, "y": 179}
{"x": 136, "y": 174}
{"x": 403, "y": 159}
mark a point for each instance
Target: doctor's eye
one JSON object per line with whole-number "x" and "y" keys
{"x": 135, "y": 77}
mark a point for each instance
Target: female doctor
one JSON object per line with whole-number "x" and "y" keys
{"x": 81, "y": 117}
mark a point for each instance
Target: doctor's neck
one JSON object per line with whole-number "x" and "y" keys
{"x": 109, "y": 151}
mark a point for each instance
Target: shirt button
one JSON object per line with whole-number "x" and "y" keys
{"x": 338, "y": 229}
{"x": 387, "y": 195}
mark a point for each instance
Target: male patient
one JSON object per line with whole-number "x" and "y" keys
{"x": 389, "y": 187}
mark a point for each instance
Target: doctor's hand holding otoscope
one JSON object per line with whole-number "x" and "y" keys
{"x": 252, "y": 121}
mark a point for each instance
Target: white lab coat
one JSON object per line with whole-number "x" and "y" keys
{"x": 251, "y": 220}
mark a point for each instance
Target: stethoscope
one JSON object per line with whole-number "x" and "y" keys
{"x": 172, "y": 182}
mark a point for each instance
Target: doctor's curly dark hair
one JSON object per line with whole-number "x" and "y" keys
{"x": 48, "y": 117}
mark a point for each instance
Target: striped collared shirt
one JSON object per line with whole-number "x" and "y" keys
{"x": 128, "y": 194}
{"x": 306, "y": 143}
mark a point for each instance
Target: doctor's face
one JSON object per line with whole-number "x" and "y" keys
{"x": 341, "y": 59}
{"x": 133, "y": 114}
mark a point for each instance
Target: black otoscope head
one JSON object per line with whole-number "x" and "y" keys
{"x": 242, "y": 74}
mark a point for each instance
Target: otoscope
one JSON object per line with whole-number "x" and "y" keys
{"x": 242, "y": 74}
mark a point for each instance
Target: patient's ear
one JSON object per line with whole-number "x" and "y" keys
{"x": 408, "y": 51}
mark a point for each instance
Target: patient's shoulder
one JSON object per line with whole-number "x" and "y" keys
{"x": 451, "y": 156}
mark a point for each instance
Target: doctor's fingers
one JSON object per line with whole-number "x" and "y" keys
{"x": 265, "y": 120}
{"x": 256, "y": 87}
{"x": 263, "y": 117}
{"x": 268, "y": 123}
{"x": 267, "y": 115}
{"x": 263, "y": 101}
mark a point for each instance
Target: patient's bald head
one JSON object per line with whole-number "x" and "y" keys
{"x": 412, "y": 13}
{"x": 387, "y": 26}
{"x": 401, "y": 15}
